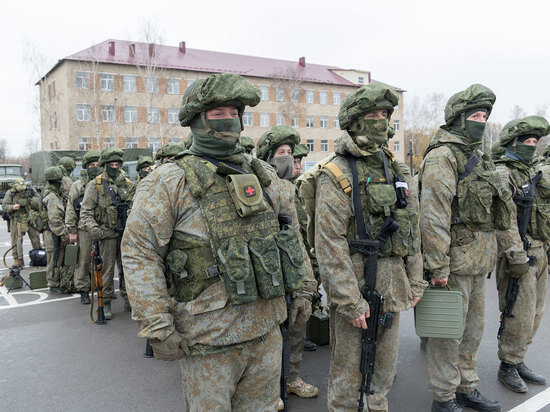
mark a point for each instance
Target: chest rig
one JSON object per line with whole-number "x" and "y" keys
{"x": 113, "y": 202}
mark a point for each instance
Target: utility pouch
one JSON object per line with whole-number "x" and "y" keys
{"x": 381, "y": 199}
{"x": 266, "y": 261}
{"x": 238, "y": 277}
{"x": 71, "y": 255}
{"x": 543, "y": 221}
{"x": 292, "y": 259}
{"x": 405, "y": 239}
{"x": 247, "y": 194}
{"x": 112, "y": 216}
{"x": 23, "y": 225}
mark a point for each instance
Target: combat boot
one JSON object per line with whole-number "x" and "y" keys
{"x": 84, "y": 298}
{"x": 477, "y": 401}
{"x": 55, "y": 290}
{"x": 509, "y": 376}
{"x": 300, "y": 388}
{"x": 19, "y": 263}
{"x": 309, "y": 346}
{"x": 107, "y": 310}
{"x": 447, "y": 406}
{"x": 529, "y": 376}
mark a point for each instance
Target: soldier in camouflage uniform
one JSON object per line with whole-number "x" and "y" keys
{"x": 18, "y": 202}
{"x": 364, "y": 115}
{"x": 198, "y": 292}
{"x": 75, "y": 226}
{"x": 276, "y": 147}
{"x": 68, "y": 165}
{"x": 459, "y": 240}
{"x": 56, "y": 234}
{"x": 103, "y": 214}
{"x": 300, "y": 151}
{"x": 519, "y": 138}
{"x": 168, "y": 151}
{"x": 143, "y": 168}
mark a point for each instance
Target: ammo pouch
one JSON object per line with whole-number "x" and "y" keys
{"x": 404, "y": 241}
{"x": 111, "y": 216}
{"x": 266, "y": 260}
{"x": 38, "y": 220}
{"x": 238, "y": 276}
{"x": 247, "y": 194}
{"x": 292, "y": 259}
{"x": 381, "y": 199}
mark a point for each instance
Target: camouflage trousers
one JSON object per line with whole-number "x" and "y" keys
{"x": 82, "y": 270}
{"x": 110, "y": 253}
{"x": 297, "y": 337}
{"x": 344, "y": 378}
{"x": 17, "y": 241}
{"x": 53, "y": 269}
{"x": 452, "y": 362}
{"x": 528, "y": 310}
{"x": 246, "y": 378}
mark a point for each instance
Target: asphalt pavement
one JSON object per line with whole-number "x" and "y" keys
{"x": 53, "y": 358}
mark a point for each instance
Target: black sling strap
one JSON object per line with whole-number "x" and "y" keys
{"x": 472, "y": 162}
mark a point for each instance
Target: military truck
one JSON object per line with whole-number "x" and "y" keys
{"x": 8, "y": 174}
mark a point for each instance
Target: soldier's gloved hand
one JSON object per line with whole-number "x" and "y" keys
{"x": 301, "y": 306}
{"x": 95, "y": 233}
{"x": 171, "y": 348}
{"x": 517, "y": 270}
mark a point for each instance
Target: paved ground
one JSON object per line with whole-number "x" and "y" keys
{"x": 53, "y": 358}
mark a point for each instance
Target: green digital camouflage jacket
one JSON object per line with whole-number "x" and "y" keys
{"x": 72, "y": 219}
{"x": 56, "y": 213}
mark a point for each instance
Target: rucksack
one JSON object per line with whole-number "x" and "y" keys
{"x": 38, "y": 257}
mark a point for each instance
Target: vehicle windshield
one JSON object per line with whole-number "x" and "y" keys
{"x": 10, "y": 171}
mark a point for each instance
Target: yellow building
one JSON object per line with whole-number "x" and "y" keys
{"x": 128, "y": 94}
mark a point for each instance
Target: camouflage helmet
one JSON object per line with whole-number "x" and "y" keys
{"x": 367, "y": 98}
{"x": 225, "y": 89}
{"x": 275, "y": 137}
{"x": 19, "y": 184}
{"x": 497, "y": 150}
{"x": 300, "y": 150}
{"x": 170, "y": 150}
{"x": 68, "y": 163}
{"x": 536, "y": 126}
{"x": 144, "y": 161}
{"x": 53, "y": 174}
{"x": 90, "y": 157}
{"x": 247, "y": 143}
{"x": 111, "y": 154}
{"x": 476, "y": 96}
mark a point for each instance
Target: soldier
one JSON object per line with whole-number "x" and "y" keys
{"x": 519, "y": 138}
{"x": 17, "y": 203}
{"x": 276, "y": 147}
{"x": 193, "y": 254}
{"x": 56, "y": 234}
{"x": 247, "y": 143}
{"x": 142, "y": 168}
{"x": 300, "y": 151}
{"x": 364, "y": 115}
{"x": 68, "y": 165}
{"x": 169, "y": 151}
{"x": 459, "y": 240}
{"x": 77, "y": 232}
{"x": 103, "y": 214}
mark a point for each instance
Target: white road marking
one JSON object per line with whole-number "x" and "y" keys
{"x": 536, "y": 403}
{"x": 42, "y": 297}
{"x": 9, "y": 298}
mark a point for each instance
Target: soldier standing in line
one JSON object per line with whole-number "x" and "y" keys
{"x": 56, "y": 234}
{"x": 143, "y": 168}
{"x": 68, "y": 165}
{"x": 364, "y": 115}
{"x": 459, "y": 240}
{"x": 103, "y": 214}
{"x": 200, "y": 228}
{"x": 519, "y": 138}
{"x": 75, "y": 226}
{"x": 276, "y": 147}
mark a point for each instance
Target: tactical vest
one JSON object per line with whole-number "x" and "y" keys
{"x": 249, "y": 253}
{"x": 379, "y": 200}
{"x": 106, "y": 213}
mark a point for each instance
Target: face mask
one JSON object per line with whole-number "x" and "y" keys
{"x": 475, "y": 130}
{"x": 284, "y": 165}
{"x": 375, "y": 130}
{"x": 143, "y": 173}
{"x": 526, "y": 152}
{"x": 113, "y": 172}
{"x": 93, "y": 172}
{"x": 213, "y": 142}
{"x": 226, "y": 129}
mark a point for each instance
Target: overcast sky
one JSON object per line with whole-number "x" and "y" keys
{"x": 422, "y": 46}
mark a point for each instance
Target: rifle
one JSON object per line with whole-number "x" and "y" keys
{"x": 56, "y": 247}
{"x": 97, "y": 284}
{"x": 121, "y": 207}
{"x": 525, "y": 203}
{"x": 284, "y": 222}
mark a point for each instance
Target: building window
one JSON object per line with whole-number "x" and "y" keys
{"x": 130, "y": 114}
{"x": 336, "y": 123}
{"x": 311, "y": 145}
{"x": 130, "y": 85}
{"x": 83, "y": 112}
{"x": 84, "y": 143}
{"x": 309, "y": 96}
{"x": 397, "y": 146}
{"x": 324, "y": 122}
{"x": 132, "y": 142}
{"x": 82, "y": 80}
{"x": 280, "y": 119}
{"x": 323, "y": 97}
{"x": 280, "y": 94}
{"x": 153, "y": 115}
{"x": 310, "y": 121}
{"x": 190, "y": 82}
{"x": 173, "y": 86}
{"x": 107, "y": 113}
{"x": 108, "y": 142}
{"x": 324, "y": 145}
{"x": 152, "y": 84}
{"x": 336, "y": 98}
{"x": 248, "y": 119}
{"x": 173, "y": 116}
{"x": 264, "y": 119}
{"x": 295, "y": 120}
{"x": 175, "y": 139}
{"x": 107, "y": 81}
{"x": 51, "y": 90}
{"x": 295, "y": 96}
{"x": 153, "y": 143}
{"x": 396, "y": 124}
{"x": 361, "y": 80}
{"x": 265, "y": 92}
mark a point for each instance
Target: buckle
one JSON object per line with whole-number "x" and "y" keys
{"x": 213, "y": 271}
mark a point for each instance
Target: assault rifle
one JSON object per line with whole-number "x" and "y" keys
{"x": 97, "y": 284}
{"x": 121, "y": 207}
{"x": 285, "y": 221}
{"x": 525, "y": 205}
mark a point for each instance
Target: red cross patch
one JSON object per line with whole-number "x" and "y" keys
{"x": 249, "y": 191}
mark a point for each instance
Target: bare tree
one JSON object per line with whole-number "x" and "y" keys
{"x": 32, "y": 144}
{"x": 517, "y": 112}
{"x": 3, "y": 150}
{"x": 542, "y": 109}
{"x": 491, "y": 136}
{"x": 289, "y": 81}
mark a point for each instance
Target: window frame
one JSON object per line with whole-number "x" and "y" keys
{"x": 106, "y": 110}
{"x": 310, "y": 143}
{"x": 106, "y": 83}
{"x": 79, "y": 76}
{"x": 129, "y": 79}
{"x": 153, "y": 112}
{"x": 172, "y": 85}
{"x": 86, "y": 110}
{"x": 173, "y": 116}
{"x": 128, "y": 110}
{"x": 324, "y": 145}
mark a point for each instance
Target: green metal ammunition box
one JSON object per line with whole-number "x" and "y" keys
{"x": 439, "y": 314}
{"x": 13, "y": 283}
{"x": 317, "y": 329}
{"x": 37, "y": 279}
